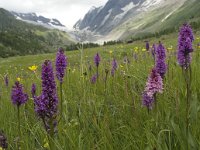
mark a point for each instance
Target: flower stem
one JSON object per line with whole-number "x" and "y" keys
{"x": 81, "y": 58}
{"x": 19, "y": 131}
{"x": 187, "y": 76}
{"x": 155, "y": 102}
{"x": 97, "y": 72}
{"x": 51, "y": 134}
{"x": 188, "y": 102}
{"x": 61, "y": 101}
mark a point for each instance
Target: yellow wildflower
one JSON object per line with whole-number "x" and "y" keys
{"x": 170, "y": 48}
{"x": 144, "y": 49}
{"x": 33, "y": 68}
{"x": 110, "y": 52}
{"x": 121, "y": 66}
{"x": 46, "y": 144}
{"x": 136, "y": 48}
{"x": 18, "y": 79}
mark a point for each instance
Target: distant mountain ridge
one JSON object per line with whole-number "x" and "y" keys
{"x": 124, "y": 18}
{"x": 40, "y": 20}
{"x": 103, "y": 19}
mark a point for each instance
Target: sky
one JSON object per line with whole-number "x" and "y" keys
{"x": 66, "y": 11}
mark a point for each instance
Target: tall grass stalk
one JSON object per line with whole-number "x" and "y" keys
{"x": 187, "y": 76}
{"x": 61, "y": 101}
{"x": 19, "y": 128}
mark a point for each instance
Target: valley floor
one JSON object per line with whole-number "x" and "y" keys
{"x": 108, "y": 113}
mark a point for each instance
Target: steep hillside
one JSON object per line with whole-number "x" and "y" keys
{"x": 136, "y": 18}
{"x": 21, "y": 38}
{"x": 167, "y": 18}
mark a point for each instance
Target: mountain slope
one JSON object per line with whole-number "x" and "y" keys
{"x": 125, "y": 18}
{"x": 170, "y": 17}
{"x": 21, "y": 38}
{"x": 40, "y": 20}
{"x": 114, "y": 13}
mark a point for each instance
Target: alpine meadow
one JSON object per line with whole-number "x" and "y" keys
{"x": 126, "y": 77}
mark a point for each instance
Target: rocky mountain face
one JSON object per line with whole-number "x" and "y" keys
{"x": 120, "y": 18}
{"x": 104, "y": 19}
{"x": 37, "y": 19}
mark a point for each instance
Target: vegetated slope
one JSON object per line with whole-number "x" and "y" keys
{"x": 111, "y": 113}
{"x": 21, "y": 38}
{"x": 164, "y": 23}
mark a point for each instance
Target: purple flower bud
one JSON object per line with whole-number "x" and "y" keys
{"x": 185, "y": 46}
{"x": 160, "y": 51}
{"x": 3, "y": 141}
{"x": 46, "y": 104}
{"x": 114, "y": 67}
{"x": 153, "y": 50}
{"x": 112, "y": 71}
{"x": 135, "y": 56}
{"x": 18, "y": 96}
{"x": 93, "y": 79}
{"x": 114, "y": 64}
{"x": 33, "y": 90}
{"x": 147, "y": 45}
{"x": 40, "y": 107}
{"x": 147, "y": 100}
{"x": 154, "y": 83}
{"x": 61, "y": 64}
{"x": 161, "y": 66}
{"x": 6, "y": 80}
{"x": 97, "y": 60}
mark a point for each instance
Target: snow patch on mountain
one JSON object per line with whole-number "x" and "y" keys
{"x": 39, "y": 20}
{"x": 91, "y": 9}
{"x": 148, "y": 4}
{"x": 106, "y": 17}
{"x": 18, "y": 18}
{"x": 125, "y": 9}
{"x": 100, "y": 8}
{"x": 128, "y": 7}
{"x": 168, "y": 15}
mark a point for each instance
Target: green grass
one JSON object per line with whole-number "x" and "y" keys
{"x": 111, "y": 118}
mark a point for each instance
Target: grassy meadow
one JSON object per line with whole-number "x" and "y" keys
{"x": 107, "y": 115}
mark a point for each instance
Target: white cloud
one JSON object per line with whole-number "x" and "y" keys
{"x": 67, "y": 11}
